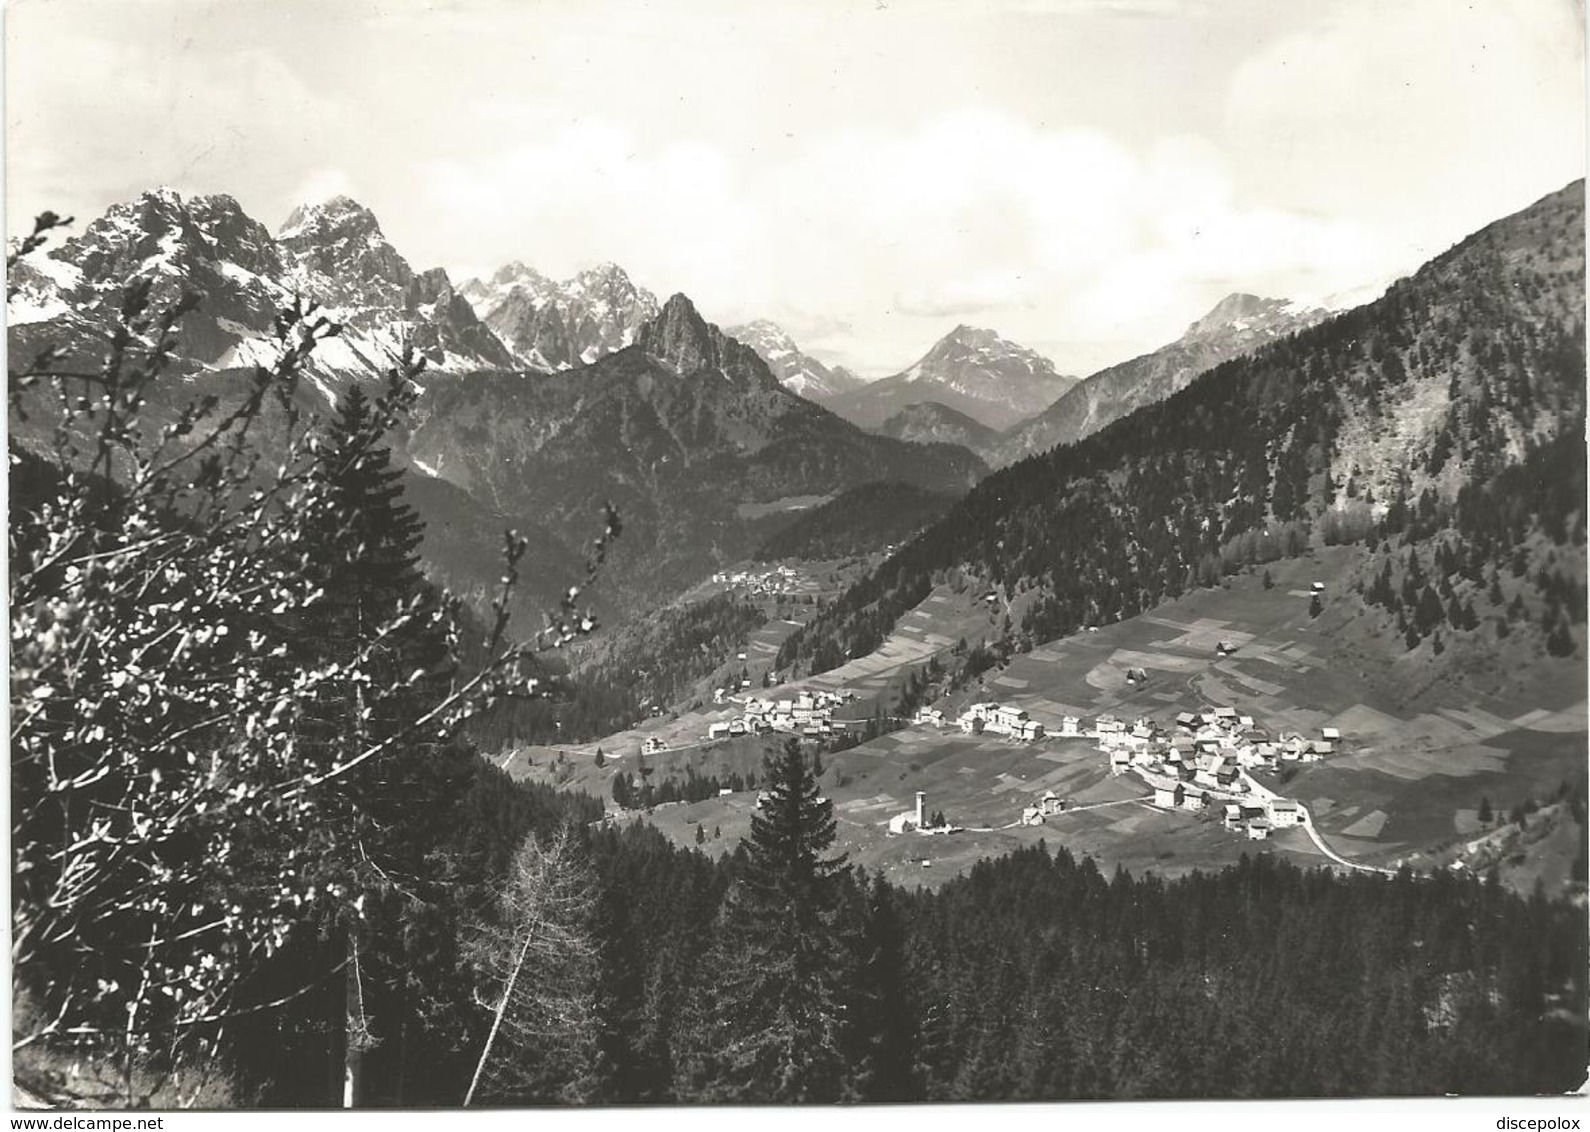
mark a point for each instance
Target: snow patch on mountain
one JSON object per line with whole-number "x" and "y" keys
{"x": 552, "y": 325}
{"x": 796, "y": 370}
{"x": 333, "y": 253}
{"x": 972, "y": 370}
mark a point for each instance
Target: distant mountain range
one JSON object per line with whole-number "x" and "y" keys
{"x": 686, "y": 430}
{"x": 974, "y": 372}
{"x": 334, "y": 253}
{"x": 1441, "y": 426}
{"x": 799, "y": 372}
{"x": 551, "y": 326}
{"x": 556, "y": 326}
{"x": 680, "y": 424}
{"x": 1236, "y": 325}
{"x": 544, "y": 397}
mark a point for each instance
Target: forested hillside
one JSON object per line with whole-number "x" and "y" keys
{"x": 928, "y": 422}
{"x": 1237, "y": 325}
{"x": 1261, "y": 980}
{"x": 1403, "y": 419}
{"x": 650, "y": 661}
{"x": 859, "y": 521}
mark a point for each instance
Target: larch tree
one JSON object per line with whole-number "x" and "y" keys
{"x": 539, "y": 966}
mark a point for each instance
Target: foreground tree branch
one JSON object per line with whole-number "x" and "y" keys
{"x": 172, "y": 822}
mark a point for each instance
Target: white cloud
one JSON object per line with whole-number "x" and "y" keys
{"x": 1050, "y": 236}
{"x": 1426, "y": 117}
{"x": 113, "y": 122}
{"x": 673, "y": 215}
{"x": 1086, "y": 176}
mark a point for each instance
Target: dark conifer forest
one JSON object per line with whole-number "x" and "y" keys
{"x": 859, "y": 521}
{"x": 1036, "y": 976}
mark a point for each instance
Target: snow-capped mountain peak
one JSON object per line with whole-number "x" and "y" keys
{"x": 340, "y": 214}
{"x": 1240, "y": 314}
{"x": 971, "y": 370}
{"x": 341, "y": 253}
{"x": 487, "y": 294}
{"x": 606, "y": 273}
{"x": 334, "y": 253}
{"x": 798, "y": 372}
{"x": 559, "y": 325}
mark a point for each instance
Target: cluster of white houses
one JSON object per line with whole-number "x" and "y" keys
{"x": 1208, "y": 748}
{"x": 1194, "y": 763}
{"x": 988, "y": 718}
{"x": 1221, "y": 734}
{"x": 1047, "y": 806}
{"x": 1203, "y": 759}
{"x": 1254, "y": 817}
{"x": 780, "y": 579}
{"x": 808, "y": 714}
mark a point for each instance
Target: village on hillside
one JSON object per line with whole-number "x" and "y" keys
{"x": 776, "y": 581}
{"x": 809, "y": 714}
{"x": 1195, "y": 762}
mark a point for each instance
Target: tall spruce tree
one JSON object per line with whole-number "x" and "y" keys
{"x": 886, "y": 1016}
{"x": 377, "y": 621}
{"x": 776, "y": 1016}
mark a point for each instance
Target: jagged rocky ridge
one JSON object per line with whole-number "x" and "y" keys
{"x": 799, "y": 372}
{"x": 556, "y": 326}
{"x": 681, "y": 427}
{"x": 1237, "y": 325}
{"x": 334, "y": 253}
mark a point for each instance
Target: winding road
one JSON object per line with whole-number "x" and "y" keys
{"x": 1319, "y": 842}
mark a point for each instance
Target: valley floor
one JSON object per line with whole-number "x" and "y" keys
{"x": 1418, "y": 757}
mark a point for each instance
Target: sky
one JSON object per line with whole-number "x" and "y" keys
{"x": 1085, "y": 177}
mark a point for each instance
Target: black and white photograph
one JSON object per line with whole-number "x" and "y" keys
{"x": 624, "y": 555}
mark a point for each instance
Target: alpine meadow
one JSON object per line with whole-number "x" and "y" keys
{"x": 1073, "y": 590}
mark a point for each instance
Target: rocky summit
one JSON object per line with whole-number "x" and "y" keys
{"x": 974, "y": 371}
{"x": 798, "y": 371}
{"x": 686, "y": 430}
{"x": 556, "y": 326}
{"x": 333, "y": 253}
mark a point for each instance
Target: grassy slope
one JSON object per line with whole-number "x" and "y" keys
{"x": 1421, "y": 754}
